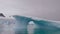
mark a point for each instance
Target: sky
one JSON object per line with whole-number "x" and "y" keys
{"x": 47, "y": 9}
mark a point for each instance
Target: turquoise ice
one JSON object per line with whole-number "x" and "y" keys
{"x": 28, "y": 25}
{"x": 43, "y": 26}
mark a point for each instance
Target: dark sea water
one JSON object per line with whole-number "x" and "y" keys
{"x": 42, "y": 26}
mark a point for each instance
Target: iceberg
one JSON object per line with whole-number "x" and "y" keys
{"x": 28, "y": 25}
{"x": 43, "y": 26}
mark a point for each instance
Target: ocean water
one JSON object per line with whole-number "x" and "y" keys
{"x": 27, "y": 25}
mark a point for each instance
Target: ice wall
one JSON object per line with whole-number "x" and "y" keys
{"x": 28, "y": 25}
{"x": 43, "y": 26}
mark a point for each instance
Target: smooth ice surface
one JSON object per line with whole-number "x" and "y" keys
{"x": 44, "y": 26}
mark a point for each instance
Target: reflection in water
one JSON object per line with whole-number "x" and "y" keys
{"x": 6, "y": 26}
{"x": 30, "y": 27}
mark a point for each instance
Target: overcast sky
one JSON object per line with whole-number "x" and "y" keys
{"x": 48, "y": 9}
